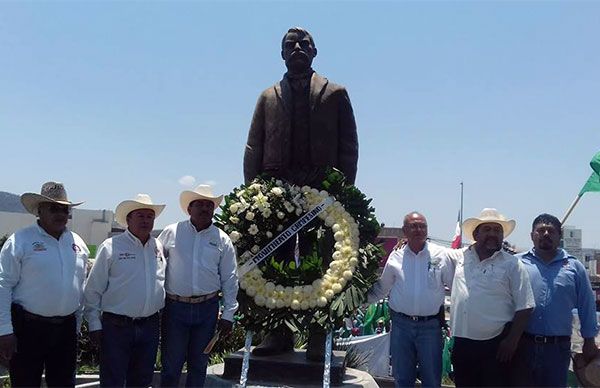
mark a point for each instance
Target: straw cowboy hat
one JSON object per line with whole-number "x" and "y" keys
{"x": 488, "y": 215}
{"x": 52, "y": 192}
{"x": 588, "y": 374}
{"x": 141, "y": 201}
{"x": 200, "y": 192}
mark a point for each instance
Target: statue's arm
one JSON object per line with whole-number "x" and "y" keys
{"x": 348, "y": 139}
{"x": 253, "y": 154}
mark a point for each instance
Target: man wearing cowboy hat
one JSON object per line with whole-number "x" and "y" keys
{"x": 414, "y": 278}
{"x": 42, "y": 270}
{"x": 560, "y": 284}
{"x": 126, "y": 286}
{"x": 491, "y": 302}
{"x": 200, "y": 264}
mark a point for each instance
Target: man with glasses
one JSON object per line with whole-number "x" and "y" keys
{"x": 42, "y": 269}
{"x": 414, "y": 278}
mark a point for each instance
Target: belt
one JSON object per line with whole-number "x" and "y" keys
{"x": 56, "y": 320}
{"x": 192, "y": 299}
{"x": 542, "y": 339}
{"x": 417, "y": 318}
{"x": 124, "y": 319}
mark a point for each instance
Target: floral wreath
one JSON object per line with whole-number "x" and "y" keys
{"x": 327, "y": 282}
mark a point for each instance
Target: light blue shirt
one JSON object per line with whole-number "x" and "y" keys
{"x": 558, "y": 288}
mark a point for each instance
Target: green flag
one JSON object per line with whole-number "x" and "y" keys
{"x": 593, "y": 183}
{"x": 595, "y": 163}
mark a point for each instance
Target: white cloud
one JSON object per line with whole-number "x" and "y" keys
{"x": 187, "y": 181}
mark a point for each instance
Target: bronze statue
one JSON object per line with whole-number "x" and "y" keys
{"x": 301, "y": 126}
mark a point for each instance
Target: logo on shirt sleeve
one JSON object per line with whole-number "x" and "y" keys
{"x": 76, "y": 248}
{"x": 39, "y": 246}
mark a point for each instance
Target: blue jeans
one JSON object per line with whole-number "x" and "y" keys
{"x": 541, "y": 365}
{"x": 416, "y": 343}
{"x": 187, "y": 329}
{"x": 128, "y": 351}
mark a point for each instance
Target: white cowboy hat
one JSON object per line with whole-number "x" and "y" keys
{"x": 488, "y": 215}
{"x": 141, "y": 201}
{"x": 200, "y": 192}
{"x": 588, "y": 373}
{"x": 53, "y": 192}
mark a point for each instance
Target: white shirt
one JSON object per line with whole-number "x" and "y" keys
{"x": 487, "y": 293}
{"x": 127, "y": 278}
{"x": 200, "y": 263}
{"x": 42, "y": 274}
{"x": 415, "y": 281}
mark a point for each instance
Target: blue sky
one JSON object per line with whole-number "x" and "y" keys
{"x": 116, "y": 98}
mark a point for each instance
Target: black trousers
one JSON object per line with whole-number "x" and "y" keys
{"x": 475, "y": 363}
{"x": 43, "y": 344}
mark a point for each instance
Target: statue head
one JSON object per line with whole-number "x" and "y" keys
{"x": 298, "y": 50}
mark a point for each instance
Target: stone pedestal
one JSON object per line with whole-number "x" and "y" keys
{"x": 291, "y": 367}
{"x": 353, "y": 378}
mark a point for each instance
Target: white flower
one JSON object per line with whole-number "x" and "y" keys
{"x": 253, "y": 229}
{"x": 295, "y": 304}
{"x": 234, "y": 220}
{"x": 271, "y": 303}
{"x": 280, "y": 215}
{"x": 255, "y": 249}
{"x": 266, "y": 213}
{"x": 235, "y": 236}
{"x": 278, "y": 191}
{"x": 336, "y": 287}
{"x": 255, "y": 186}
{"x": 234, "y": 207}
{"x": 304, "y": 305}
{"x": 279, "y": 228}
{"x": 329, "y": 294}
{"x": 298, "y": 211}
{"x": 322, "y": 301}
{"x": 347, "y": 275}
{"x": 249, "y": 216}
{"x": 269, "y": 234}
{"x": 259, "y": 300}
{"x": 251, "y": 291}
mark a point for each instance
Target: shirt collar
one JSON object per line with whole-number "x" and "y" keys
{"x": 43, "y": 232}
{"x": 134, "y": 239}
{"x": 474, "y": 256}
{"x": 561, "y": 255}
{"x": 193, "y": 228}
{"x": 425, "y": 249}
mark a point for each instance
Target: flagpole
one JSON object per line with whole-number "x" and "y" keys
{"x": 571, "y": 208}
{"x": 461, "y": 212}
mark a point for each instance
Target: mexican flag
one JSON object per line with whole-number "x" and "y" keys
{"x": 457, "y": 240}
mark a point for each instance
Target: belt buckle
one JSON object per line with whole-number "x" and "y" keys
{"x": 539, "y": 339}
{"x": 414, "y": 318}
